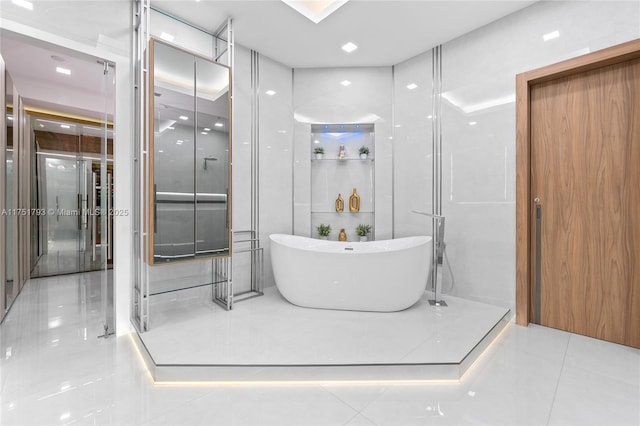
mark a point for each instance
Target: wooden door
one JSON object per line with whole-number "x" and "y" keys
{"x": 585, "y": 171}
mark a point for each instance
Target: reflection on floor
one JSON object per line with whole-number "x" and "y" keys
{"x": 54, "y": 371}
{"x": 66, "y": 257}
{"x": 270, "y": 331}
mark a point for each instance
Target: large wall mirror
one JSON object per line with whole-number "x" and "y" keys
{"x": 190, "y": 146}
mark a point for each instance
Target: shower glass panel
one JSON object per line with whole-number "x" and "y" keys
{"x": 67, "y": 167}
{"x": 101, "y": 184}
{"x": 9, "y": 285}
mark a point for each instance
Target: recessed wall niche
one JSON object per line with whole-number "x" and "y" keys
{"x": 345, "y": 169}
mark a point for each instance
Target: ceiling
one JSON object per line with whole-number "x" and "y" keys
{"x": 386, "y": 31}
{"x": 32, "y": 67}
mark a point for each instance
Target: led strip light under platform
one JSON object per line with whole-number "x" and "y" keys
{"x": 444, "y": 350}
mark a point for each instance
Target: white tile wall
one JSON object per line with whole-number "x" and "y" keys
{"x": 319, "y": 97}
{"x": 412, "y": 147}
{"x": 479, "y": 160}
{"x": 276, "y": 155}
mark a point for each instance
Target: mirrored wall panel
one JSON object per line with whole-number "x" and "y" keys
{"x": 189, "y": 214}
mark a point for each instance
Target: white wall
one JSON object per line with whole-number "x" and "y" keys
{"x": 275, "y": 158}
{"x": 318, "y": 97}
{"x": 479, "y": 160}
{"x": 412, "y": 150}
{"x": 276, "y": 155}
{"x": 478, "y": 75}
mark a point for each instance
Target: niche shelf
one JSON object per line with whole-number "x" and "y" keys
{"x": 332, "y": 175}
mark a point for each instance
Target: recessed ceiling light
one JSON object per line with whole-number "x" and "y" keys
{"x": 171, "y": 128}
{"x": 183, "y": 117}
{"x": 219, "y": 125}
{"x": 315, "y": 10}
{"x": 166, "y": 36}
{"x": 345, "y": 83}
{"x": 206, "y": 129}
{"x": 160, "y": 151}
{"x": 316, "y": 141}
{"x": 473, "y": 123}
{"x": 64, "y": 71}
{"x": 411, "y": 86}
{"x": 398, "y": 125}
{"x": 179, "y": 142}
{"x": 551, "y": 35}
{"x": 282, "y": 131}
{"x": 270, "y": 92}
{"x": 349, "y": 47}
{"x": 65, "y": 126}
{"x": 23, "y": 3}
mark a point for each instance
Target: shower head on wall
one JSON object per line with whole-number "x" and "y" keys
{"x": 208, "y": 159}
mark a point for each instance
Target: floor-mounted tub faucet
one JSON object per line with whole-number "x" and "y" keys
{"x": 439, "y": 250}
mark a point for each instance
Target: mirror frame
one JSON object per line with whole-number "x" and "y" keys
{"x": 150, "y": 214}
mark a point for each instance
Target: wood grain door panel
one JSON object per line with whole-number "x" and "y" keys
{"x": 585, "y": 168}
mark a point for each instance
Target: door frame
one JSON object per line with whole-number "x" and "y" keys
{"x": 524, "y": 245}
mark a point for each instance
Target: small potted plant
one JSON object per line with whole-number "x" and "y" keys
{"x": 362, "y": 231}
{"x": 323, "y": 231}
{"x": 319, "y": 152}
{"x": 364, "y": 152}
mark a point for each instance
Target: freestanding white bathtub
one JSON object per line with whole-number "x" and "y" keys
{"x": 382, "y": 276}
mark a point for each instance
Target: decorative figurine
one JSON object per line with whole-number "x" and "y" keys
{"x": 354, "y": 202}
{"x": 339, "y": 204}
{"x": 342, "y": 154}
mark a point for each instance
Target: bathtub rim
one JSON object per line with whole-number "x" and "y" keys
{"x": 331, "y": 246}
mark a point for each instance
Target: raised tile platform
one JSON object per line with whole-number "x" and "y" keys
{"x": 269, "y": 339}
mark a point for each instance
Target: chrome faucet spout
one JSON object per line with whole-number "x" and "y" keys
{"x": 438, "y": 234}
{"x": 433, "y": 215}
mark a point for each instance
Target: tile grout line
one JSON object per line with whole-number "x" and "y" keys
{"x": 555, "y": 391}
{"x": 361, "y": 415}
{"x": 357, "y": 412}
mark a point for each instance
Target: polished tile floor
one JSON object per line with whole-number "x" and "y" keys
{"x": 65, "y": 257}
{"x": 55, "y": 371}
{"x": 269, "y": 330}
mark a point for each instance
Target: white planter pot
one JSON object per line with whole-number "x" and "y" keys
{"x": 363, "y": 156}
{"x": 363, "y": 239}
{"x": 319, "y": 156}
{"x": 324, "y": 238}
